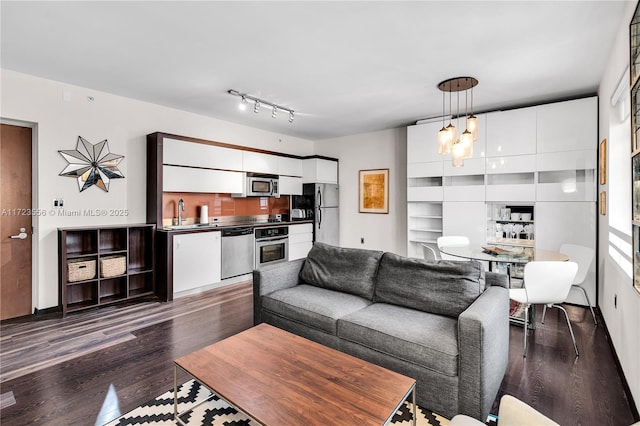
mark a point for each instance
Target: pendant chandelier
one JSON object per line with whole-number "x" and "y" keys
{"x": 460, "y": 147}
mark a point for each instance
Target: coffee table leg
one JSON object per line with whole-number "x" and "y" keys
{"x": 415, "y": 406}
{"x": 175, "y": 392}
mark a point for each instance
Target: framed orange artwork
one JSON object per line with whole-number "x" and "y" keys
{"x": 374, "y": 191}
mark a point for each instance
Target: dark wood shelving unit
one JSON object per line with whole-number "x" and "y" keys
{"x": 93, "y": 244}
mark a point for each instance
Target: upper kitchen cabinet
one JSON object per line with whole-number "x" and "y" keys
{"x": 290, "y": 166}
{"x": 193, "y": 154}
{"x": 422, "y": 143}
{"x": 257, "y": 162}
{"x": 290, "y": 185}
{"x": 319, "y": 170}
{"x": 187, "y": 179}
{"x": 567, "y": 126}
{"x": 511, "y": 132}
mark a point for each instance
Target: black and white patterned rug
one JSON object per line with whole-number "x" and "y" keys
{"x": 216, "y": 412}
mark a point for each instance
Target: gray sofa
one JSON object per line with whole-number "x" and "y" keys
{"x": 442, "y": 323}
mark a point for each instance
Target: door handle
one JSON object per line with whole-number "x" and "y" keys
{"x": 21, "y": 236}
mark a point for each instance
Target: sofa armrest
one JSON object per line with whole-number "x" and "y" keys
{"x": 496, "y": 279}
{"x": 271, "y": 278}
{"x": 483, "y": 347}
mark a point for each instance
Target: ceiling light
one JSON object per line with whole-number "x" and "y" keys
{"x": 460, "y": 148}
{"x": 243, "y": 104}
{"x": 259, "y": 103}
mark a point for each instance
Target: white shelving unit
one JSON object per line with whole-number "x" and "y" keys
{"x": 425, "y": 225}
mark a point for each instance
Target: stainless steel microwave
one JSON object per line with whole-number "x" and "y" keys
{"x": 262, "y": 186}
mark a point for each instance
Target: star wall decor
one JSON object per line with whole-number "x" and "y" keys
{"x": 92, "y": 164}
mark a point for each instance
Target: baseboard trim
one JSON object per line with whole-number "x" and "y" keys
{"x": 625, "y": 384}
{"x": 39, "y": 312}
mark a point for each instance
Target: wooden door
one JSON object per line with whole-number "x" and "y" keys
{"x": 15, "y": 209}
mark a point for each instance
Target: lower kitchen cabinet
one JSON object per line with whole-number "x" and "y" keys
{"x": 196, "y": 260}
{"x": 300, "y": 240}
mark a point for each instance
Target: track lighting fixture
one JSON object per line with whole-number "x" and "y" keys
{"x": 259, "y": 103}
{"x": 461, "y": 147}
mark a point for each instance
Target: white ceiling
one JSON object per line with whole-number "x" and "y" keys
{"x": 344, "y": 67}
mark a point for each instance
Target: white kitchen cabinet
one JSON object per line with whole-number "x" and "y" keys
{"x": 257, "y": 162}
{"x": 511, "y": 178}
{"x": 196, "y": 260}
{"x": 290, "y": 185}
{"x": 186, "y": 179}
{"x": 567, "y": 126}
{"x": 511, "y": 132}
{"x": 465, "y": 183}
{"x": 424, "y": 181}
{"x": 465, "y": 218}
{"x": 289, "y": 166}
{"x": 567, "y": 176}
{"x": 319, "y": 170}
{"x": 183, "y": 153}
{"x": 300, "y": 240}
{"x": 422, "y": 142}
{"x": 560, "y": 223}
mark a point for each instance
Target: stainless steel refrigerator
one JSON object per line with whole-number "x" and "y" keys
{"x": 326, "y": 211}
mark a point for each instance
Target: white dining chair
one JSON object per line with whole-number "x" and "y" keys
{"x": 452, "y": 241}
{"x": 430, "y": 251}
{"x": 545, "y": 283}
{"x": 583, "y": 256}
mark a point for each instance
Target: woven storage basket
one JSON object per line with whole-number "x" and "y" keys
{"x": 113, "y": 266}
{"x": 80, "y": 270}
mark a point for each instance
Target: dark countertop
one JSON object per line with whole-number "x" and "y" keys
{"x": 218, "y": 226}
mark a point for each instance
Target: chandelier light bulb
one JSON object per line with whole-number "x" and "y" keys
{"x": 472, "y": 126}
{"x": 457, "y": 154}
{"x": 466, "y": 140}
{"x": 444, "y": 143}
{"x": 451, "y": 130}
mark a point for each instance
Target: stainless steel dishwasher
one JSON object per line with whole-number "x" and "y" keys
{"x": 237, "y": 251}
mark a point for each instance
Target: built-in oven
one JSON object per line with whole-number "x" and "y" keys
{"x": 272, "y": 245}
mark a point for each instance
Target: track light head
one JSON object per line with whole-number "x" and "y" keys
{"x": 243, "y": 104}
{"x": 274, "y": 112}
{"x": 256, "y": 107}
{"x": 291, "y": 117}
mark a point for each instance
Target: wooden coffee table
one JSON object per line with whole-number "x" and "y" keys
{"x": 278, "y": 378}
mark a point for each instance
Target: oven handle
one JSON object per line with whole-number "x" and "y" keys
{"x": 271, "y": 239}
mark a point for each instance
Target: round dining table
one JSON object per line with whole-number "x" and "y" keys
{"x": 477, "y": 252}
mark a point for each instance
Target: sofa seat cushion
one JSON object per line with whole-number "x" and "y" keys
{"x": 348, "y": 270}
{"x": 421, "y": 338}
{"x": 444, "y": 287}
{"x": 313, "y": 306}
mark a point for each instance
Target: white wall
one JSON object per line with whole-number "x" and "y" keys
{"x": 124, "y": 123}
{"x": 377, "y": 150}
{"x": 614, "y": 281}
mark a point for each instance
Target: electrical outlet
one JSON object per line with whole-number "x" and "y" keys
{"x": 361, "y": 240}
{"x": 58, "y": 203}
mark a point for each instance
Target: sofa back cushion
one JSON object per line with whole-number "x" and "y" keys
{"x": 444, "y": 287}
{"x": 342, "y": 269}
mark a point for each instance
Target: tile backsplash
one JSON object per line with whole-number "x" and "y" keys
{"x": 221, "y": 205}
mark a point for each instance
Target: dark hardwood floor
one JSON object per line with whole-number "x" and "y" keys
{"x": 583, "y": 391}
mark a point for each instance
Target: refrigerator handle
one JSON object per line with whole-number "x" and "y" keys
{"x": 319, "y": 198}
{"x": 319, "y": 217}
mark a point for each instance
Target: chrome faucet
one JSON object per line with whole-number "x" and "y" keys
{"x": 180, "y": 210}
